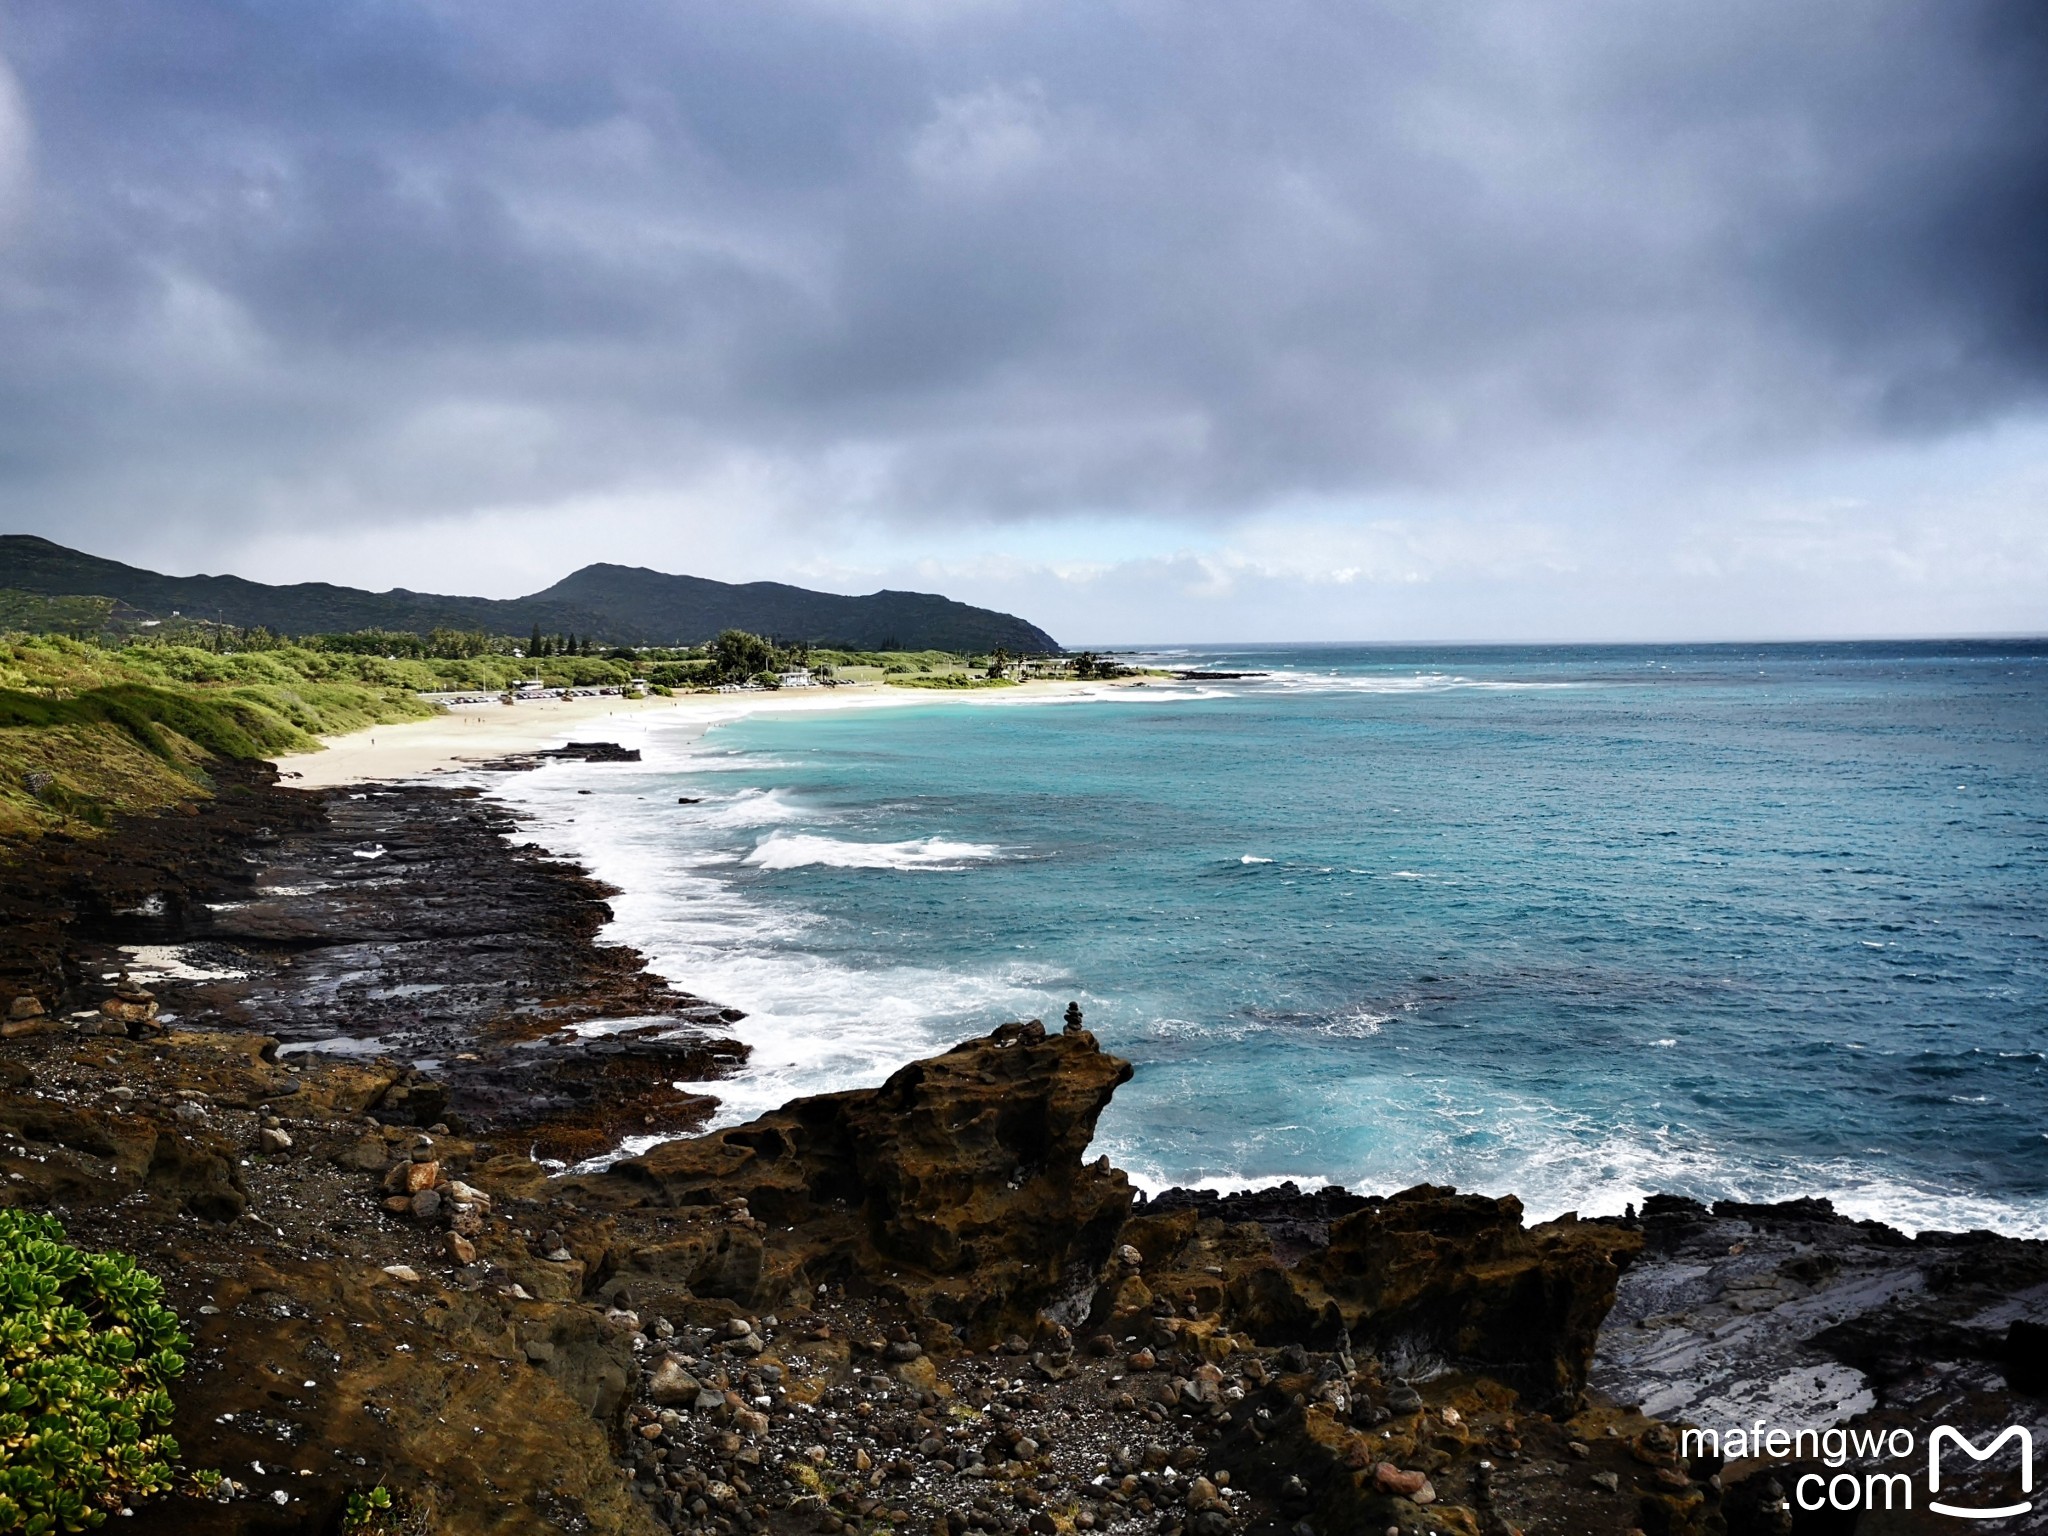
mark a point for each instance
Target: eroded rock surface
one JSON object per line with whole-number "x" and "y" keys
{"x": 960, "y": 1182}
{"x": 1795, "y": 1317}
{"x": 392, "y": 921}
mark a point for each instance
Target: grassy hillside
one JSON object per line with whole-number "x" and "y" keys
{"x": 615, "y": 604}
{"x": 88, "y": 732}
{"x": 654, "y": 608}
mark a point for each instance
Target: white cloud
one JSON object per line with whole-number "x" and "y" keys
{"x": 984, "y": 138}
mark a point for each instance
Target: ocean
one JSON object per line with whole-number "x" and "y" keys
{"x": 1577, "y": 924}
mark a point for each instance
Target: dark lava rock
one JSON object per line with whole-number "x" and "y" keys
{"x": 960, "y": 1179}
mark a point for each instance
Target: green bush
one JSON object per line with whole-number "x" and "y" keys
{"x": 87, "y": 1352}
{"x": 950, "y": 680}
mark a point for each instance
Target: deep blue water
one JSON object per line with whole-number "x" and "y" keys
{"x": 1578, "y": 924}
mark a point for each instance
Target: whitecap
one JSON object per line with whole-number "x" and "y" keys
{"x": 795, "y": 850}
{"x": 748, "y": 808}
{"x": 1359, "y": 1024}
{"x": 1252, "y": 858}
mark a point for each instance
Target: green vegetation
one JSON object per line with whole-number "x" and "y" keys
{"x": 76, "y": 616}
{"x": 88, "y": 731}
{"x": 438, "y": 644}
{"x": 379, "y": 1512}
{"x": 91, "y": 728}
{"x": 1089, "y": 665}
{"x": 737, "y": 657}
{"x": 611, "y": 605}
{"x": 87, "y": 1354}
{"x": 951, "y": 680}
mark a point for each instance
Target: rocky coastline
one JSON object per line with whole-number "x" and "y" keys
{"x": 918, "y": 1307}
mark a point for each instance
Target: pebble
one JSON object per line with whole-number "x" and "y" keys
{"x": 670, "y": 1384}
{"x": 1413, "y": 1486}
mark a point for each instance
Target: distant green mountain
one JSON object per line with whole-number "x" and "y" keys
{"x": 613, "y": 604}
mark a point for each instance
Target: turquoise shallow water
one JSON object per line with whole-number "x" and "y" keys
{"x": 1576, "y": 924}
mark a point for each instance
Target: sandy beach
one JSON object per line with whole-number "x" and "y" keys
{"x": 470, "y": 734}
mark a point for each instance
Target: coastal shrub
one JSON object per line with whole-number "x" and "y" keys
{"x": 737, "y": 656}
{"x": 87, "y": 1353}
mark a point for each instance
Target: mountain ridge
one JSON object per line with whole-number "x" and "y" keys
{"x": 608, "y": 603}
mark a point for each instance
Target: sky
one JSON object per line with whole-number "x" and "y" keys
{"x": 1150, "y": 320}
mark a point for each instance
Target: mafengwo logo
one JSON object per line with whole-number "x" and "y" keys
{"x": 1946, "y": 1436}
{"x": 1870, "y": 1487}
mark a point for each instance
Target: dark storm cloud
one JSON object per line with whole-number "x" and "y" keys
{"x": 389, "y": 260}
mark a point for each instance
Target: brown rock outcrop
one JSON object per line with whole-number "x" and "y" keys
{"x": 1434, "y": 1271}
{"x": 55, "y": 1153}
{"x": 1426, "y": 1274}
{"x": 958, "y": 1182}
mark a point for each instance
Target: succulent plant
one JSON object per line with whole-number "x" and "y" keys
{"x": 87, "y": 1353}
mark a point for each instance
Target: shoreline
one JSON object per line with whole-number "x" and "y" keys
{"x": 469, "y": 737}
{"x": 450, "y": 744}
{"x": 699, "y": 1318}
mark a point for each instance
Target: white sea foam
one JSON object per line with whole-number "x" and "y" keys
{"x": 749, "y": 808}
{"x": 1359, "y": 1024}
{"x": 1252, "y": 858}
{"x": 794, "y": 850}
{"x": 170, "y": 962}
{"x": 820, "y": 1021}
